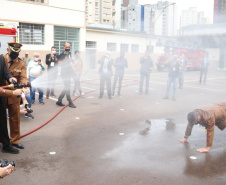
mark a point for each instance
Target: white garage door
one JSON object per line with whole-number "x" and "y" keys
{"x": 3, "y": 43}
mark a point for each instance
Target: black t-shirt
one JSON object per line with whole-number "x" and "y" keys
{"x": 173, "y": 66}
{"x": 66, "y": 66}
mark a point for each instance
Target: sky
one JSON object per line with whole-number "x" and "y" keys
{"x": 202, "y": 5}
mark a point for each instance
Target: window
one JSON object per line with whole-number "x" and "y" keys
{"x": 39, "y": 1}
{"x": 111, "y": 46}
{"x": 134, "y": 48}
{"x": 107, "y": 3}
{"x": 31, "y": 34}
{"x": 66, "y": 34}
{"x": 91, "y": 44}
{"x": 124, "y": 47}
{"x": 108, "y": 9}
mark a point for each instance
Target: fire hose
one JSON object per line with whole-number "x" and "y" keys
{"x": 28, "y": 133}
{"x": 16, "y": 85}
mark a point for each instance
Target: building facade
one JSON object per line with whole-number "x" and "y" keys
{"x": 132, "y": 16}
{"x": 64, "y": 21}
{"x": 193, "y": 17}
{"x": 134, "y": 45}
{"x": 125, "y": 3}
{"x": 43, "y": 23}
{"x": 219, "y": 11}
{"x": 210, "y": 37}
{"x": 107, "y": 12}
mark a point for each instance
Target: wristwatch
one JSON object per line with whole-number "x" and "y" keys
{"x": 185, "y": 137}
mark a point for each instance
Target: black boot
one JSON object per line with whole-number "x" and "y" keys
{"x": 60, "y": 103}
{"x": 71, "y": 105}
{"x": 10, "y": 149}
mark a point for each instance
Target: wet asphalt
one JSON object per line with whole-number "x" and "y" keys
{"x": 132, "y": 139}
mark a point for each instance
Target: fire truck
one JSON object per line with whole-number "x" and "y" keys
{"x": 7, "y": 34}
{"x": 193, "y": 58}
{"x": 192, "y": 54}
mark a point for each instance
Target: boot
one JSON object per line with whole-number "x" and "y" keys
{"x": 71, "y": 105}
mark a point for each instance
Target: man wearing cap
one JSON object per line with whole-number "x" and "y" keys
{"x": 17, "y": 68}
{"x": 4, "y": 73}
{"x": 208, "y": 117}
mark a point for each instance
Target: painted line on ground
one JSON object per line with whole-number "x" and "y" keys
{"x": 193, "y": 87}
{"x": 138, "y": 88}
{"x": 49, "y": 97}
{"x": 87, "y": 88}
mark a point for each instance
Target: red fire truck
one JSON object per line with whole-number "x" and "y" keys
{"x": 7, "y": 34}
{"x": 192, "y": 56}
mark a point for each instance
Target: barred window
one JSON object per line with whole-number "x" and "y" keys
{"x": 134, "y": 48}
{"x": 90, "y": 44}
{"x": 124, "y": 48}
{"x": 66, "y": 34}
{"x": 111, "y": 46}
{"x": 31, "y": 34}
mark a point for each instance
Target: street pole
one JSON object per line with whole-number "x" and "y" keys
{"x": 152, "y": 23}
{"x": 163, "y": 10}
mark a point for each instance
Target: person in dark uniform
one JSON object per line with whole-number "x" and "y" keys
{"x": 65, "y": 61}
{"x": 51, "y": 62}
{"x": 145, "y": 72}
{"x": 5, "y": 74}
{"x": 17, "y": 68}
{"x": 120, "y": 64}
{"x": 105, "y": 72}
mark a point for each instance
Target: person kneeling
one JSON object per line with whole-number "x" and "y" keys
{"x": 208, "y": 117}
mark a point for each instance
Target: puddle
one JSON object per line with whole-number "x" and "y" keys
{"x": 156, "y": 125}
{"x": 210, "y": 165}
{"x": 135, "y": 146}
